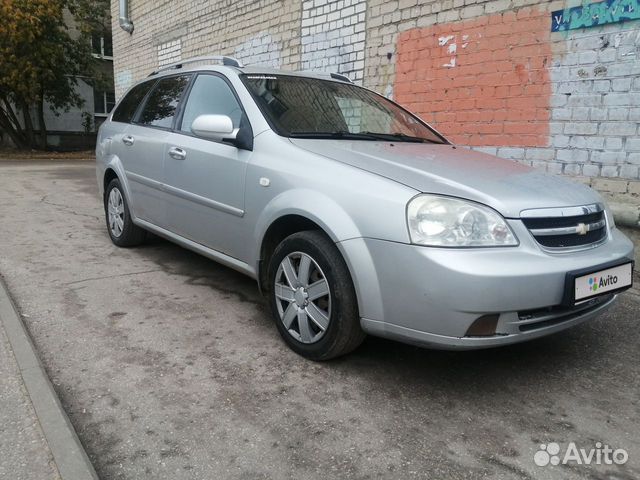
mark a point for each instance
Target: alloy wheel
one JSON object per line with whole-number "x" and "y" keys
{"x": 303, "y": 297}
{"x": 115, "y": 208}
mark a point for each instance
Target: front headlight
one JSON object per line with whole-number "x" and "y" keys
{"x": 450, "y": 222}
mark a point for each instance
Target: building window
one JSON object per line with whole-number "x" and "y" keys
{"x": 103, "y": 102}
{"x": 101, "y": 45}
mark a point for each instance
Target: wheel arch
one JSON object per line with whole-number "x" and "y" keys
{"x": 114, "y": 169}
{"x": 277, "y": 231}
{"x": 109, "y": 175}
{"x": 295, "y": 211}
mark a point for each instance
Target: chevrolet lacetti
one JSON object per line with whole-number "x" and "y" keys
{"x": 354, "y": 216}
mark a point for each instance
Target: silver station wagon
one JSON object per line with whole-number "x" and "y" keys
{"x": 354, "y": 216}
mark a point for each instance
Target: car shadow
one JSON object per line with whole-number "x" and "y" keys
{"x": 555, "y": 359}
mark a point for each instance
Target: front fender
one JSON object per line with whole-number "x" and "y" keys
{"x": 339, "y": 226}
{"x": 317, "y": 207}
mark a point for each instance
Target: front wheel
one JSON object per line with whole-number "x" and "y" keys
{"x": 312, "y": 297}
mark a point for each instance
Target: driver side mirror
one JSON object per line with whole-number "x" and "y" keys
{"x": 215, "y": 127}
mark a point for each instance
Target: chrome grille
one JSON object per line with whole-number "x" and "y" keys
{"x": 565, "y": 228}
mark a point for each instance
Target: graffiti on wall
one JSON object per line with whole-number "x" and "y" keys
{"x": 594, "y": 14}
{"x": 169, "y": 52}
{"x": 333, "y": 37}
{"x": 123, "y": 81}
{"x": 261, "y": 49}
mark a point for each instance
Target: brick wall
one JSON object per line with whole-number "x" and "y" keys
{"x": 263, "y": 31}
{"x": 565, "y": 102}
{"x": 490, "y": 74}
{"x": 169, "y": 52}
{"x": 333, "y": 35}
{"x": 483, "y": 82}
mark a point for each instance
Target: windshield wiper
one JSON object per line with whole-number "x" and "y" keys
{"x": 403, "y": 137}
{"x": 344, "y": 135}
{"x": 341, "y": 134}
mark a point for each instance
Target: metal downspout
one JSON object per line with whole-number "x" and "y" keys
{"x": 125, "y": 22}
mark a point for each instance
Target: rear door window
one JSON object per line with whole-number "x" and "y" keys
{"x": 129, "y": 104}
{"x": 162, "y": 103}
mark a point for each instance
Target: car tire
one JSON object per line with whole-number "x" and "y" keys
{"x": 319, "y": 321}
{"x": 122, "y": 230}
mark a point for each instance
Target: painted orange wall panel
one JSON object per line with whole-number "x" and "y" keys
{"x": 482, "y": 82}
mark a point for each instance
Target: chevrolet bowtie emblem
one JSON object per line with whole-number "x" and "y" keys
{"x": 582, "y": 229}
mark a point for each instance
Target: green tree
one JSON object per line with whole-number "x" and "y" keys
{"x": 41, "y": 60}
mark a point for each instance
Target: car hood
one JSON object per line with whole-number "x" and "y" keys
{"x": 507, "y": 186}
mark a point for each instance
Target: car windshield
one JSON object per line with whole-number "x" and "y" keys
{"x": 313, "y": 108}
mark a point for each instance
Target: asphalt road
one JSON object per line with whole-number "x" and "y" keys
{"x": 170, "y": 367}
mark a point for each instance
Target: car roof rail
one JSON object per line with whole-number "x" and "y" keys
{"x": 228, "y": 61}
{"x": 339, "y": 76}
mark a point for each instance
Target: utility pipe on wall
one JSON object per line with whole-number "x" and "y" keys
{"x": 125, "y": 22}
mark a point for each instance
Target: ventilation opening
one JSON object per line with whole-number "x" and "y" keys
{"x": 555, "y": 315}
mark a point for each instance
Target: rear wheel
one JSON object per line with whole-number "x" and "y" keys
{"x": 312, "y": 297}
{"x": 121, "y": 228}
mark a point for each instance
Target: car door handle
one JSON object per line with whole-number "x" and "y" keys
{"x": 127, "y": 140}
{"x": 177, "y": 153}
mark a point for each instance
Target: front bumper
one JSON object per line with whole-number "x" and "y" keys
{"x": 431, "y": 296}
